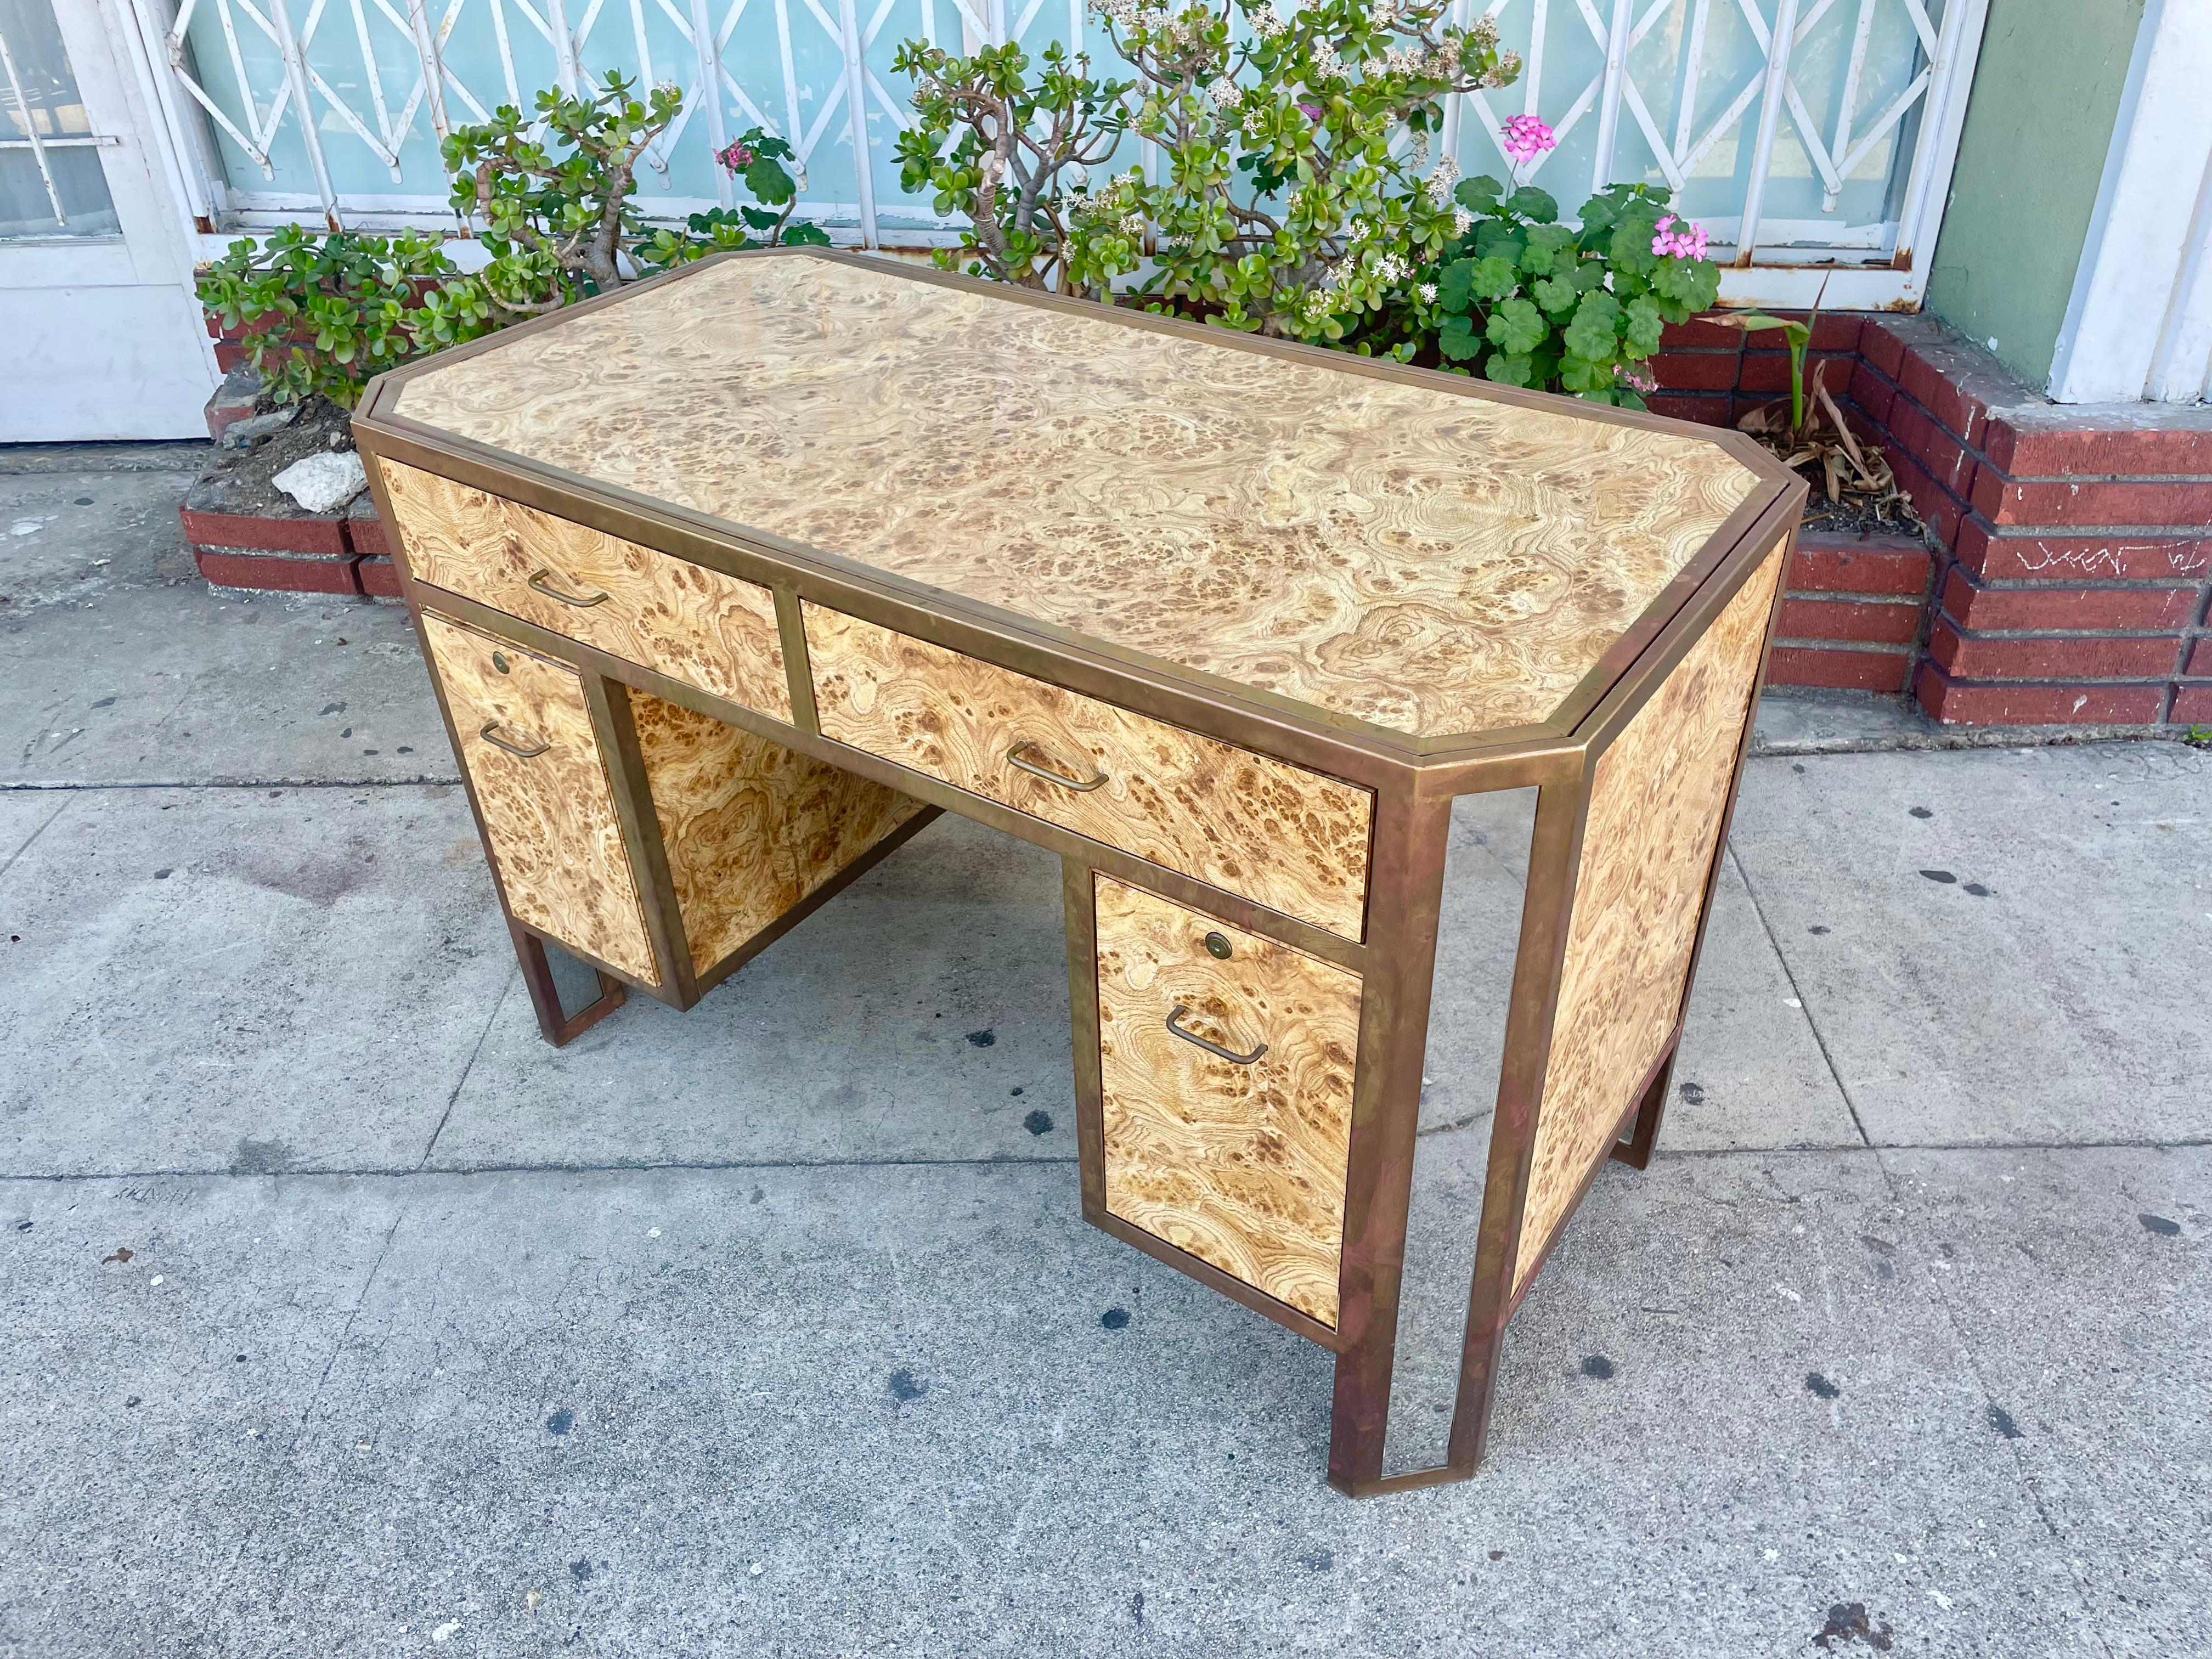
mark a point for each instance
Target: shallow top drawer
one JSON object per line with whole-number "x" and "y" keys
{"x": 681, "y": 619}
{"x": 1275, "y": 833}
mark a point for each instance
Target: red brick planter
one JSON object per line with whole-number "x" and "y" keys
{"x": 295, "y": 553}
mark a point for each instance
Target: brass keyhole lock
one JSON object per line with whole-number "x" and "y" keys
{"x": 1217, "y": 945}
{"x": 498, "y": 661}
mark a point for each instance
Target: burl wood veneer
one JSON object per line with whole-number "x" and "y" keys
{"x": 692, "y": 623}
{"x": 549, "y": 815}
{"x": 1421, "y": 559}
{"x": 1280, "y": 836}
{"x": 1648, "y": 845}
{"x": 751, "y": 827}
{"x": 1240, "y": 1165}
{"x": 1227, "y": 623}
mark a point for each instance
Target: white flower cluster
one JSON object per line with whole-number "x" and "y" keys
{"x": 1416, "y": 152}
{"x": 1390, "y": 269}
{"x": 1327, "y": 65}
{"x": 1440, "y": 182}
{"x": 1225, "y": 93}
{"x": 1418, "y": 62}
{"x": 1462, "y": 222}
{"x": 1268, "y": 22}
{"x": 1131, "y": 225}
{"x": 1428, "y": 292}
{"x": 1123, "y": 12}
{"x": 1381, "y": 13}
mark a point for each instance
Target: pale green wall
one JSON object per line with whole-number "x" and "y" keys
{"x": 2039, "y": 119}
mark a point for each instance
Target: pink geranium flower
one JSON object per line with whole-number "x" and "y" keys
{"x": 1686, "y": 242}
{"x": 1527, "y": 138}
{"x": 734, "y": 156}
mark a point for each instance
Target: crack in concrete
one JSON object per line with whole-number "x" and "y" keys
{"x": 708, "y": 1166}
{"x": 2011, "y": 1447}
{"x": 499, "y": 1002}
{"x": 1804, "y": 1007}
{"x": 43, "y": 824}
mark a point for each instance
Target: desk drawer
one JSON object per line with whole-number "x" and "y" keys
{"x": 525, "y": 736}
{"x": 1280, "y": 835}
{"x": 681, "y": 619}
{"x": 1226, "y": 1066}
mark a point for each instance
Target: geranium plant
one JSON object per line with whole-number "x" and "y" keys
{"x": 1526, "y": 301}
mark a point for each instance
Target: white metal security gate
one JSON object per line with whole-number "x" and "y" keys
{"x": 1813, "y": 138}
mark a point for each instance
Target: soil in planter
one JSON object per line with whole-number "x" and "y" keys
{"x": 240, "y": 479}
{"x": 1854, "y": 515}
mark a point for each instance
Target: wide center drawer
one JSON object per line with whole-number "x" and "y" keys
{"x": 692, "y": 623}
{"x": 1276, "y": 833}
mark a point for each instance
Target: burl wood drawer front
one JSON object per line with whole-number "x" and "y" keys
{"x": 681, "y": 619}
{"x": 549, "y": 812}
{"x": 1279, "y": 836}
{"x": 1226, "y": 1066}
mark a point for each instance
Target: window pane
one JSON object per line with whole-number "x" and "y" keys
{"x": 39, "y": 93}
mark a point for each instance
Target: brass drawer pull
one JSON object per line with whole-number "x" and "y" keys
{"x": 537, "y": 583}
{"x": 489, "y": 734}
{"x": 1175, "y": 1024}
{"x": 1014, "y": 755}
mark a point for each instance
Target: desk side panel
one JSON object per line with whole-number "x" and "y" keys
{"x": 1657, "y": 802}
{"x": 751, "y": 828}
{"x": 550, "y": 817}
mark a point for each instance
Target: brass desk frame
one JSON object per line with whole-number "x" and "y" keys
{"x": 1414, "y": 781}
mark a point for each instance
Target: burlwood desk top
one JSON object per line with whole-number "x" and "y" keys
{"x": 1421, "y": 558}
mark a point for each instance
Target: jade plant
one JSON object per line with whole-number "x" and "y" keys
{"x": 553, "y": 195}
{"x": 1291, "y": 197}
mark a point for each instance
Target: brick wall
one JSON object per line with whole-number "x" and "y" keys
{"x": 2069, "y": 572}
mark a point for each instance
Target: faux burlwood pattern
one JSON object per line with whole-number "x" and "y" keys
{"x": 1648, "y": 843}
{"x": 1413, "y": 555}
{"x": 1241, "y": 1166}
{"x": 689, "y": 622}
{"x": 550, "y": 818}
{"x": 750, "y": 827}
{"x": 1280, "y": 836}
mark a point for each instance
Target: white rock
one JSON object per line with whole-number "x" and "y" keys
{"x": 321, "y": 483}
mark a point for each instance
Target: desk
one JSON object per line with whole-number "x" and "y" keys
{"x": 733, "y": 580}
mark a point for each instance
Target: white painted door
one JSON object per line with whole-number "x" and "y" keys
{"x": 100, "y": 334}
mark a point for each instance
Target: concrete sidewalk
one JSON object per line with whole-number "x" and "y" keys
{"x": 343, "y": 1316}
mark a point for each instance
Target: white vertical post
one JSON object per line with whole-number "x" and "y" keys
{"x": 710, "y": 88}
{"x": 1608, "y": 103}
{"x": 2146, "y": 231}
{"x": 295, "y": 73}
{"x": 1942, "y": 118}
{"x": 1455, "y": 106}
{"x": 856, "y": 115}
{"x": 1770, "y": 117}
{"x": 433, "y": 69}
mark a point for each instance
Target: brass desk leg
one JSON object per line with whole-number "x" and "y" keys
{"x": 557, "y": 1028}
{"x": 1636, "y": 1150}
{"x": 1405, "y": 896}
